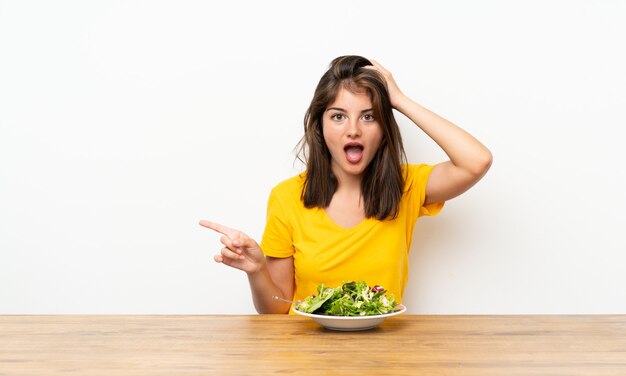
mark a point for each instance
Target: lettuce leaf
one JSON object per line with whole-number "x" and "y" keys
{"x": 353, "y": 298}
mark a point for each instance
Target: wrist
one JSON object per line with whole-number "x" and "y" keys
{"x": 401, "y": 103}
{"x": 259, "y": 270}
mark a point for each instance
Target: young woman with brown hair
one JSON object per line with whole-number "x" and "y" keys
{"x": 351, "y": 214}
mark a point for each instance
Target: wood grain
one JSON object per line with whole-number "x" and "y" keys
{"x": 282, "y": 344}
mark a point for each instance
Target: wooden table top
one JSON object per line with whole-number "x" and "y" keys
{"x": 282, "y": 344}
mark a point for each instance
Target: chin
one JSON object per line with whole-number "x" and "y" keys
{"x": 352, "y": 170}
{"x": 355, "y": 170}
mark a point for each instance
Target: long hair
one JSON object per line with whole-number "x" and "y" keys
{"x": 382, "y": 183}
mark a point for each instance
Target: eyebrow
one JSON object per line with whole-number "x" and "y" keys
{"x": 342, "y": 110}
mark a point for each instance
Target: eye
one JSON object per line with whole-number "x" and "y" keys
{"x": 338, "y": 117}
{"x": 368, "y": 117}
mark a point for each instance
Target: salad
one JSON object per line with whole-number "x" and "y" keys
{"x": 349, "y": 299}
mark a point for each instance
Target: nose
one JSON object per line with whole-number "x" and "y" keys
{"x": 354, "y": 128}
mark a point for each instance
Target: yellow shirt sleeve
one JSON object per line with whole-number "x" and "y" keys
{"x": 277, "y": 238}
{"x": 421, "y": 173}
{"x": 415, "y": 191}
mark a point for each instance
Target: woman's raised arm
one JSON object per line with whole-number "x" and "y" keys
{"x": 469, "y": 159}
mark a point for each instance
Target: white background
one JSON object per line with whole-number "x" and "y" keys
{"x": 123, "y": 123}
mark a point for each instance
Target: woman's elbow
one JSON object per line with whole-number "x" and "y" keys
{"x": 482, "y": 164}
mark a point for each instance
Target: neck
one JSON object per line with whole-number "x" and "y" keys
{"x": 346, "y": 182}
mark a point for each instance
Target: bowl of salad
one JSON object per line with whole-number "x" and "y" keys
{"x": 349, "y": 307}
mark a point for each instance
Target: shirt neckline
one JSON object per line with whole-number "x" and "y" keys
{"x": 364, "y": 223}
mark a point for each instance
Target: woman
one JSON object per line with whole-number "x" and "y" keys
{"x": 350, "y": 215}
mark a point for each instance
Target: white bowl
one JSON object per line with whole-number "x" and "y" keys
{"x": 351, "y": 323}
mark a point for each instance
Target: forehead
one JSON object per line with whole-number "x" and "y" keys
{"x": 350, "y": 100}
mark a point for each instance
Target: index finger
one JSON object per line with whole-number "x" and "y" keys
{"x": 224, "y": 230}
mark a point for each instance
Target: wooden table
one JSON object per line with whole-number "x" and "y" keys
{"x": 280, "y": 344}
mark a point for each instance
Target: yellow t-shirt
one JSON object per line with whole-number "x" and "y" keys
{"x": 324, "y": 252}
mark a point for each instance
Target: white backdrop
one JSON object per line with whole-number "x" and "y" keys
{"x": 123, "y": 123}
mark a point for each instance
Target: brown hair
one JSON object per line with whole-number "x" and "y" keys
{"x": 382, "y": 183}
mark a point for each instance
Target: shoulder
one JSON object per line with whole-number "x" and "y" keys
{"x": 289, "y": 191}
{"x": 284, "y": 198}
{"x": 290, "y": 186}
{"x": 415, "y": 173}
{"x": 416, "y": 179}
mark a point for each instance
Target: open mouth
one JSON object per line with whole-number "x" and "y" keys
{"x": 354, "y": 152}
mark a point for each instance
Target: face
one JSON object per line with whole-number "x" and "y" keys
{"x": 351, "y": 132}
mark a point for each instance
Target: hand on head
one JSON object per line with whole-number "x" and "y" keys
{"x": 392, "y": 87}
{"x": 239, "y": 251}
